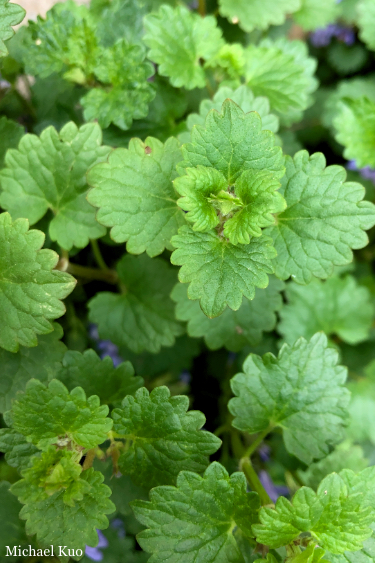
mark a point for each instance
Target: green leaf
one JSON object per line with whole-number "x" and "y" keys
{"x": 283, "y": 72}
{"x": 337, "y": 306}
{"x": 344, "y": 456}
{"x": 40, "y": 362}
{"x": 355, "y": 126}
{"x": 366, "y": 22}
{"x": 18, "y": 452}
{"x": 325, "y": 218}
{"x": 142, "y": 316}
{"x": 257, "y": 14}
{"x": 49, "y": 172}
{"x": 244, "y": 98}
{"x": 195, "y": 520}
{"x": 165, "y": 437}
{"x": 98, "y": 377}
{"x": 30, "y": 291}
{"x": 337, "y": 517}
{"x": 125, "y": 92}
{"x": 233, "y": 142}
{"x": 233, "y": 329}
{"x": 316, "y": 13}
{"x": 135, "y": 195}
{"x": 12, "y": 530}
{"x": 10, "y": 14}
{"x": 178, "y": 39}
{"x": 59, "y": 524}
{"x": 52, "y": 415}
{"x": 245, "y": 207}
{"x": 64, "y": 41}
{"x": 219, "y": 272}
{"x": 362, "y": 407}
{"x": 10, "y": 135}
{"x": 302, "y": 391}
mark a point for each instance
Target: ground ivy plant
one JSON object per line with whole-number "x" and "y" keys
{"x": 187, "y": 296}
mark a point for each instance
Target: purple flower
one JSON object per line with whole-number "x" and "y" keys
{"x": 274, "y": 491}
{"x": 185, "y": 377}
{"x": 119, "y": 526}
{"x": 106, "y": 347}
{"x": 94, "y": 553}
{"x": 264, "y": 452}
{"x": 322, "y": 37}
{"x": 367, "y": 173}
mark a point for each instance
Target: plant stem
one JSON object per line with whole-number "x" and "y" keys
{"x": 202, "y": 7}
{"x": 109, "y": 276}
{"x": 251, "y": 449}
{"x": 253, "y": 480}
{"x": 98, "y": 255}
{"x": 89, "y": 459}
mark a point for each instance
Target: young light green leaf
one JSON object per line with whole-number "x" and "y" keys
{"x": 257, "y": 14}
{"x": 40, "y": 362}
{"x": 344, "y": 456}
{"x": 10, "y": 135}
{"x": 219, "y": 272}
{"x": 59, "y": 524}
{"x": 233, "y": 142}
{"x": 52, "y": 415}
{"x": 337, "y": 517}
{"x": 366, "y": 22}
{"x": 282, "y": 71}
{"x": 125, "y": 92}
{"x": 244, "y": 98}
{"x": 165, "y": 437}
{"x": 30, "y": 291}
{"x": 10, "y": 14}
{"x": 142, "y": 316}
{"x": 135, "y": 195}
{"x": 325, "y": 218}
{"x": 178, "y": 39}
{"x": 233, "y": 329}
{"x": 98, "y": 377}
{"x": 18, "y": 452}
{"x": 194, "y": 521}
{"x": 302, "y": 391}
{"x": 336, "y": 306}
{"x": 316, "y": 13}
{"x": 244, "y": 208}
{"x": 355, "y": 126}
{"x": 49, "y": 172}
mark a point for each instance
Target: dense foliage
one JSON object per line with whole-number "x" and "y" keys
{"x": 186, "y": 205}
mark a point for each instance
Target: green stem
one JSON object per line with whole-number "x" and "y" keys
{"x": 254, "y": 446}
{"x": 98, "y": 255}
{"x": 221, "y": 430}
{"x": 109, "y": 276}
{"x": 202, "y": 7}
{"x": 253, "y": 480}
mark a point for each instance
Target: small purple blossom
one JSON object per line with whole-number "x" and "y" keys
{"x": 105, "y": 347}
{"x": 274, "y": 491}
{"x": 185, "y": 377}
{"x": 118, "y": 525}
{"x": 322, "y": 37}
{"x": 264, "y": 452}
{"x": 94, "y": 553}
{"x": 367, "y": 173}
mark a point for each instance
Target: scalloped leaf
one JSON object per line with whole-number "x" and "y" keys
{"x": 135, "y": 195}
{"x": 302, "y": 391}
{"x": 165, "y": 437}
{"x": 49, "y": 172}
{"x": 30, "y": 290}
{"x": 178, "y": 39}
